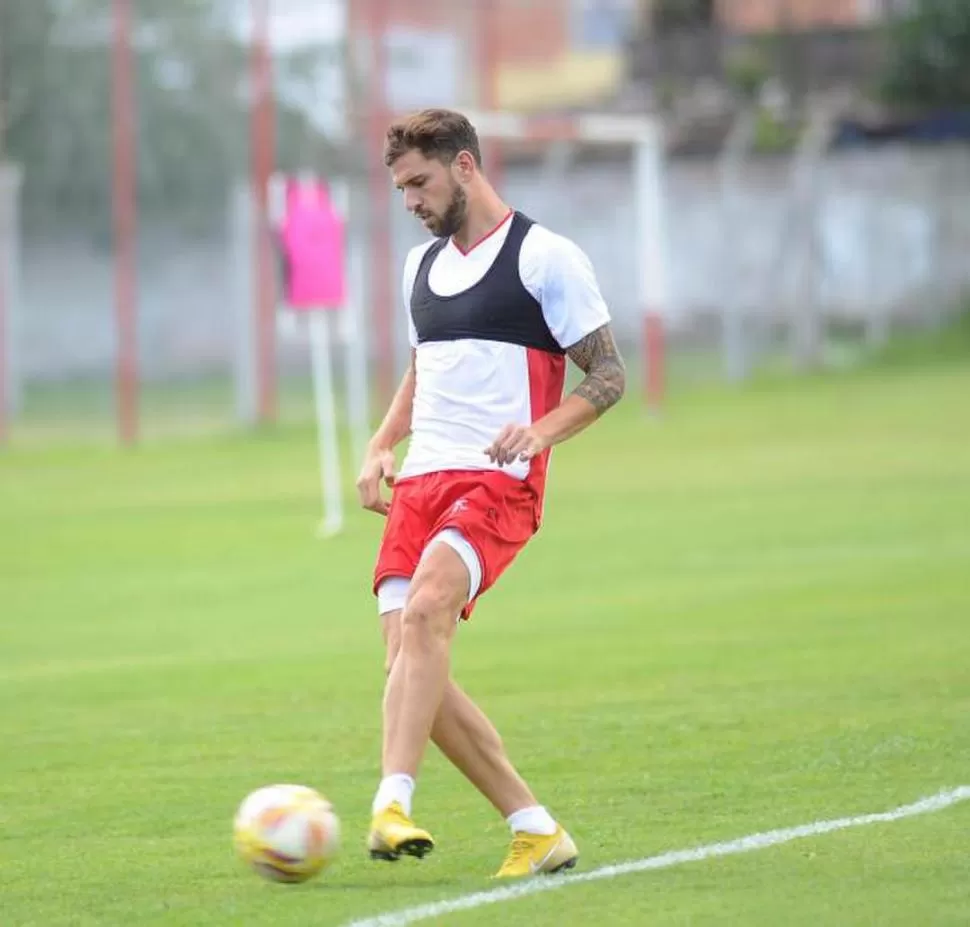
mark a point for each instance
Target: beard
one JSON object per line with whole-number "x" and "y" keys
{"x": 453, "y": 219}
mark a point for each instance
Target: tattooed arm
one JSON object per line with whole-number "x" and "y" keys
{"x": 599, "y": 358}
{"x": 602, "y": 387}
{"x": 561, "y": 277}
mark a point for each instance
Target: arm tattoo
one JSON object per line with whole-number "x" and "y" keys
{"x": 599, "y": 358}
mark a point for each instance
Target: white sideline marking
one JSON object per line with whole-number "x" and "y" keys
{"x": 760, "y": 841}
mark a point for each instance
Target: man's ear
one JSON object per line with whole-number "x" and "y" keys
{"x": 464, "y": 166}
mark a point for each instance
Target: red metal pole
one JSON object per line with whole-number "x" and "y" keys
{"x": 653, "y": 359}
{"x": 125, "y": 197}
{"x": 263, "y": 147}
{"x": 381, "y": 204}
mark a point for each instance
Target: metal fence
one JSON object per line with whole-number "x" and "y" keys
{"x": 138, "y": 137}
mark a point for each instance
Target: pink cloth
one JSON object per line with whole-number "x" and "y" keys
{"x": 313, "y": 244}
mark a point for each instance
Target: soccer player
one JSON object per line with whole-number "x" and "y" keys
{"x": 495, "y": 304}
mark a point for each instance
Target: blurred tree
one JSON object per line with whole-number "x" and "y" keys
{"x": 192, "y": 116}
{"x": 667, "y": 15}
{"x": 929, "y": 55}
{"x": 24, "y": 29}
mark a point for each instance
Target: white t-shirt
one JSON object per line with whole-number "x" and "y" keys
{"x": 468, "y": 389}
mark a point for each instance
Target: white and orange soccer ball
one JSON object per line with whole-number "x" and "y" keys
{"x": 286, "y": 833}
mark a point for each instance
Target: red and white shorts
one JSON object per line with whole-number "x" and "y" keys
{"x": 487, "y": 516}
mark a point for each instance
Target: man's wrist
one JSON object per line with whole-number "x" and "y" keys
{"x": 543, "y": 432}
{"x": 380, "y": 443}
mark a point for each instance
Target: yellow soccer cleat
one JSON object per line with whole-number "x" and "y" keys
{"x": 531, "y": 854}
{"x": 393, "y": 835}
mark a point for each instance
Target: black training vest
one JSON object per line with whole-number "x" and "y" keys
{"x": 496, "y": 308}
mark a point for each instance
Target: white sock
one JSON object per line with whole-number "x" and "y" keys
{"x": 534, "y": 820}
{"x": 398, "y": 787}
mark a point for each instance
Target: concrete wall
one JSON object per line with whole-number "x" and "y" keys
{"x": 892, "y": 237}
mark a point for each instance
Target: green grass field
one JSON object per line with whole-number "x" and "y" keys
{"x": 752, "y": 614}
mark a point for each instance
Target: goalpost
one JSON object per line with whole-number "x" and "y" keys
{"x": 618, "y": 218}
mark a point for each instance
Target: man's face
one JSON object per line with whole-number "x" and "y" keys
{"x": 431, "y": 192}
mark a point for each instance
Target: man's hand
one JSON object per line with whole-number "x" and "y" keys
{"x": 378, "y": 466}
{"x": 516, "y": 442}
{"x": 598, "y": 357}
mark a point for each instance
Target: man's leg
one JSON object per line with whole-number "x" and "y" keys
{"x": 419, "y": 636}
{"x": 413, "y": 693}
{"x": 468, "y": 739}
{"x": 416, "y": 684}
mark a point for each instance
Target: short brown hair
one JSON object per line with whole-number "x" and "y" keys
{"x": 436, "y": 133}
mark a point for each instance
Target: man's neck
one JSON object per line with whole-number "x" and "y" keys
{"x": 480, "y": 223}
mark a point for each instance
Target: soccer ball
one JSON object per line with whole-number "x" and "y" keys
{"x": 286, "y": 833}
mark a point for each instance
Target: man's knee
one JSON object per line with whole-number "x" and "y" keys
{"x": 426, "y": 607}
{"x": 430, "y": 617}
{"x": 438, "y": 593}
